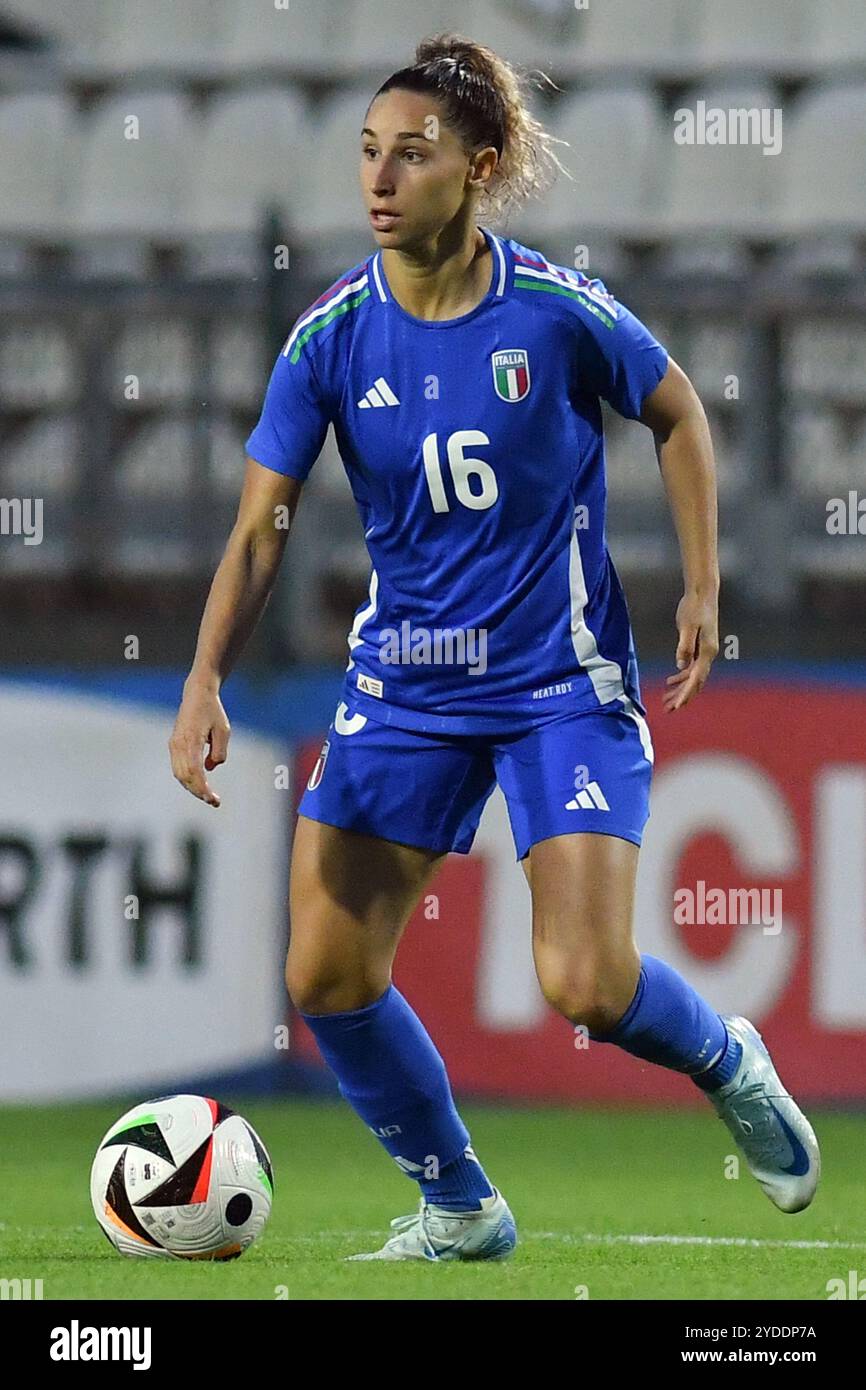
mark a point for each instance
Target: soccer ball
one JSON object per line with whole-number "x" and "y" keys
{"x": 184, "y": 1178}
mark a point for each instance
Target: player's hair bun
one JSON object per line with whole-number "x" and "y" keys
{"x": 467, "y": 56}
{"x": 485, "y": 99}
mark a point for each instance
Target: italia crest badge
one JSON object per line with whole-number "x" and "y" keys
{"x": 511, "y": 374}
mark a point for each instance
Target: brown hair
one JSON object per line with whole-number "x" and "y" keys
{"x": 485, "y": 101}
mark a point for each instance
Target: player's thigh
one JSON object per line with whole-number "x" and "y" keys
{"x": 381, "y": 809}
{"x": 583, "y": 944}
{"x": 577, "y": 791}
{"x": 355, "y": 878}
{"x": 582, "y": 888}
{"x": 599, "y": 871}
{"x": 350, "y": 898}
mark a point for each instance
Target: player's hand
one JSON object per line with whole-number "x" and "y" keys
{"x": 201, "y": 723}
{"x": 698, "y": 625}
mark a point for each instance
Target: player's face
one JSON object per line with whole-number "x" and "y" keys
{"x": 415, "y": 173}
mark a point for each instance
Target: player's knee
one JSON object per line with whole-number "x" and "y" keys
{"x": 310, "y": 984}
{"x": 588, "y": 993}
{"x": 329, "y": 987}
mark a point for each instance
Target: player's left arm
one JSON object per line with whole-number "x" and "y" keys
{"x": 677, "y": 419}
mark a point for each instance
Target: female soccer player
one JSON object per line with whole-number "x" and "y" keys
{"x": 463, "y": 374}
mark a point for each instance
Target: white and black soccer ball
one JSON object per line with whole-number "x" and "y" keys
{"x": 182, "y": 1177}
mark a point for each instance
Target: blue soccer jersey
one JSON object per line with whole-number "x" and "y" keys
{"x": 475, "y": 453}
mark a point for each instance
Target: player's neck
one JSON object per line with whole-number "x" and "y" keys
{"x": 444, "y": 279}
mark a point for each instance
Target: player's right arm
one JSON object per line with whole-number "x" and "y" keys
{"x": 240, "y": 589}
{"x": 280, "y": 453}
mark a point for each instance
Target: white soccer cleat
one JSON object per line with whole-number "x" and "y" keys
{"x": 777, "y": 1140}
{"x": 432, "y": 1233}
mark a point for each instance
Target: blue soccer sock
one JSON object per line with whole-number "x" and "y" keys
{"x": 390, "y": 1072}
{"x": 669, "y": 1023}
{"x": 459, "y": 1185}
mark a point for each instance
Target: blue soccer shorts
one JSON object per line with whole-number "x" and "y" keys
{"x": 575, "y": 772}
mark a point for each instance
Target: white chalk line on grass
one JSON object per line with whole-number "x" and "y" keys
{"x": 567, "y": 1238}
{"x": 748, "y": 1242}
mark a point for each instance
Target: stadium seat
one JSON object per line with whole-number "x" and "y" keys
{"x": 113, "y": 256}
{"x": 841, "y": 31}
{"x": 227, "y": 457}
{"x": 38, "y": 157}
{"x": 605, "y": 257}
{"x": 16, "y": 259}
{"x": 601, "y": 255}
{"x": 631, "y": 467}
{"x": 709, "y": 257}
{"x": 727, "y": 188}
{"x": 821, "y": 463}
{"x": 329, "y": 203}
{"x": 160, "y": 462}
{"x": 615, "y": 142}
{"x": 223, "y": 255}
{"x": 745, "y": 36}
{"x": 152, "y": 554}
{"x": 328, "y": 479}
{"x": 252, "y": 155}
{"x": 161, "y": 36}
{"x": 631, "y": 33}
{"x": 826, "y": 360}
{"x": 240, "y": 365}
{"x": 525, "y": 36}
{"x": 165, "y": 517}
{"x": 381, "y": 35}
{"x": 136, "y": 186}
{"x": 837, "y": 559}
{"x": 61, "y": 23}
{"x": 715, "y": 350}
{"x": 665, "y": 330}
{"x": 823, "y": 184}
{"x": 160, "y": 353}
{"x": 730, "y": 461}
{"x": 306, "y": 37}
{"x": 857, "y": 457}
{"x": 831, "y": 254}
{"x": 632, "y": 471}
{"x": 131, "y": 193}
{"x": 815, "y": 456}
{"x": 156, "y": 463}
{"x": 37, "y": 365}
{"x": 42, "y": 459}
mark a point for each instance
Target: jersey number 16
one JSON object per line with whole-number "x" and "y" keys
{"x": 461, "y": 469}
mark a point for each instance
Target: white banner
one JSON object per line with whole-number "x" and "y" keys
{"x": 142, "y": 933}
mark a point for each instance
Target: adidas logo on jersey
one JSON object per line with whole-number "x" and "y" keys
{"x": 370, "y": 686}
{"x": 379, "y": 393}
{"x": 589, "y": 798}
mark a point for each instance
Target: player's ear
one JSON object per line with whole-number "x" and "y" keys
{"x": 482, "y": 166}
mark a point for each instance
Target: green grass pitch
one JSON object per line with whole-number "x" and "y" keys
{"x": 587, "y": 1187}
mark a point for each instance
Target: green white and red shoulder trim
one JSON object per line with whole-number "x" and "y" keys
{"x": 548, "y": 278}
{"x": 340, "y": 299}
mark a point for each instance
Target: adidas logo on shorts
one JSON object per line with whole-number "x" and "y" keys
{"x": 589, "y": 798}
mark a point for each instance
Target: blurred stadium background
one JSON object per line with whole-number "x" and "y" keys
{"x": 144, "y": 292}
